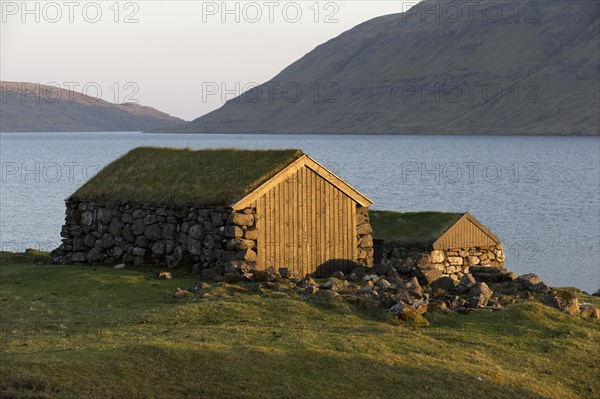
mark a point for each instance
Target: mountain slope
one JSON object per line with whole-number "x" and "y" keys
{"x": 29, "y": 107}
{"x": 534, "y": 70}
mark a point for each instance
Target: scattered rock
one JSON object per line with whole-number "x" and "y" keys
{"x": 338, "y": 275}
{"x": 120, "y": 266}
{"x": 481, "y": 290}
{"x": 443, "y": 283}
{"x": 329, "y": 285}
{"x": 371, "y": 277}
{"x": 164, "y": 275}
{"x": 588, "y": 310}
{"x": 527, "y": 280}
{"x": 384, "y": 284}
{"x": 427, "y": 275}
{"x": 414, "y": 288}
{"x": 538, "y": 288}
{"x": 180, "y": 294}
{"x": 562, "y": 299}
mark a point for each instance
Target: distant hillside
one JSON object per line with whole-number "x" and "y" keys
{"x": 418, "y": 73}
{"x": 28, "y": 107}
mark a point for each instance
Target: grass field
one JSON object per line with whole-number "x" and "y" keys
{"x": 84, "y": 332}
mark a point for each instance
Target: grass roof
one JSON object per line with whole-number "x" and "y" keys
{"x": 418, "y": 229}
{"x": 184, "y": 176}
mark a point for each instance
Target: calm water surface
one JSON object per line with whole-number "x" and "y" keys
{"x": 541, "y": 195}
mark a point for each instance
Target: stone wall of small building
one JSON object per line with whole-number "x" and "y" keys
{"x": 364, "y": 237}
{"x": 111, "y": 233}
{"x": 438, "y": 263}
{"x": 211, "y": 240}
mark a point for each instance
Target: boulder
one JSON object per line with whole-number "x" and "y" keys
{"x": 455, "y": 260}
{"x": 241, "y": 219}
{"x": 93, "y": 255}
{"x": 138, "y": 227}
{"x": 238, "y": 244}
{"x": 270, "y": 274}
{"x": 443, "y": 283}
{"x": 478, "y": 301}
{"x": 562, "y": 299}
{"x": 216, "y": 218}
{"x": 364, "y": 229}
{"x": 384, "y": 284}
{"x": 588, "y": 310}
{"x": 153, "y": 232}
{"x": 427, "y": 275}
{"x": 481, "y": 290}
{"x": 116, "y": 227}
{"x": 247, "y": 255}
{"x": 473, "y": 260}
{"x": 158, "y": 248}
{"x": 137, "y": 251}
{"x": 180, "y": 294}
{"x": 195, "y": 232}
{"x": 87, "y": 218}
{"x": 78, "y": 257}
{"x": 529, "y": 279}
{"x": 366, "y": 242}
{"x": 231, "y": 231}
{"x": 141, "y": 242}
{"x": 251, "y": 235}
{"x": 104, "y": 215}
{"x": 406, "y": 311}
{"x": 437, "y": 256}
{"x": 414, "y": 288}
{"x": 107, "y": 241}
{"x": 538, "y": 288}
{"x": 329, "y": 285}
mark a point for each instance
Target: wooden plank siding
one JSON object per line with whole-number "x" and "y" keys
{"x": 307, "y": 225}
{"x": 466, "y": 233}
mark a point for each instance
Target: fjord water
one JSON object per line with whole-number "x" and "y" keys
{"x": 541, "y": 195}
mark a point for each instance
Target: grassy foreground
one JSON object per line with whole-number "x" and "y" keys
{"x": 83, "y": 332}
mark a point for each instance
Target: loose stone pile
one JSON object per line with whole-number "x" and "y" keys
{"x": 407, "y": 295}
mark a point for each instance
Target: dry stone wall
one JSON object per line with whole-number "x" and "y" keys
{"x": 453, "y": 263}
{"x": 364, "y": 237}
{"x": 110, "y": 233}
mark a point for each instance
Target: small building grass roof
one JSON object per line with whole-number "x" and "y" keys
{"x": 411, "y": 229}
{"x": 172, "y": 176}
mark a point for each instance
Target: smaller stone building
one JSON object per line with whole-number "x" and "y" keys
{"x": 218, "y": 210}
{"x": 435, "y": 244}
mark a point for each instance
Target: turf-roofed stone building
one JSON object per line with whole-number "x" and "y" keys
{"x": 435, "y": 244}
{"x": 218, "y": 211}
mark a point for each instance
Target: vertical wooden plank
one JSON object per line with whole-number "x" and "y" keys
{"x": 273, "y": 226}
{"x": 331, "y": 221}
{"x": 354, "y": 239}
{"x": 345, "y": 233}
{"x": 279, "y": 227}
{"x": 302, "y": 220}
{"x": 313, "y": 221}
{"x": 258, "y": 240}
{"x": 305, "y": 242}
{"x": 286, "y": 213}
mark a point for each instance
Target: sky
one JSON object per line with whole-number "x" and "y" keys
{"x": 185, "y": 58}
